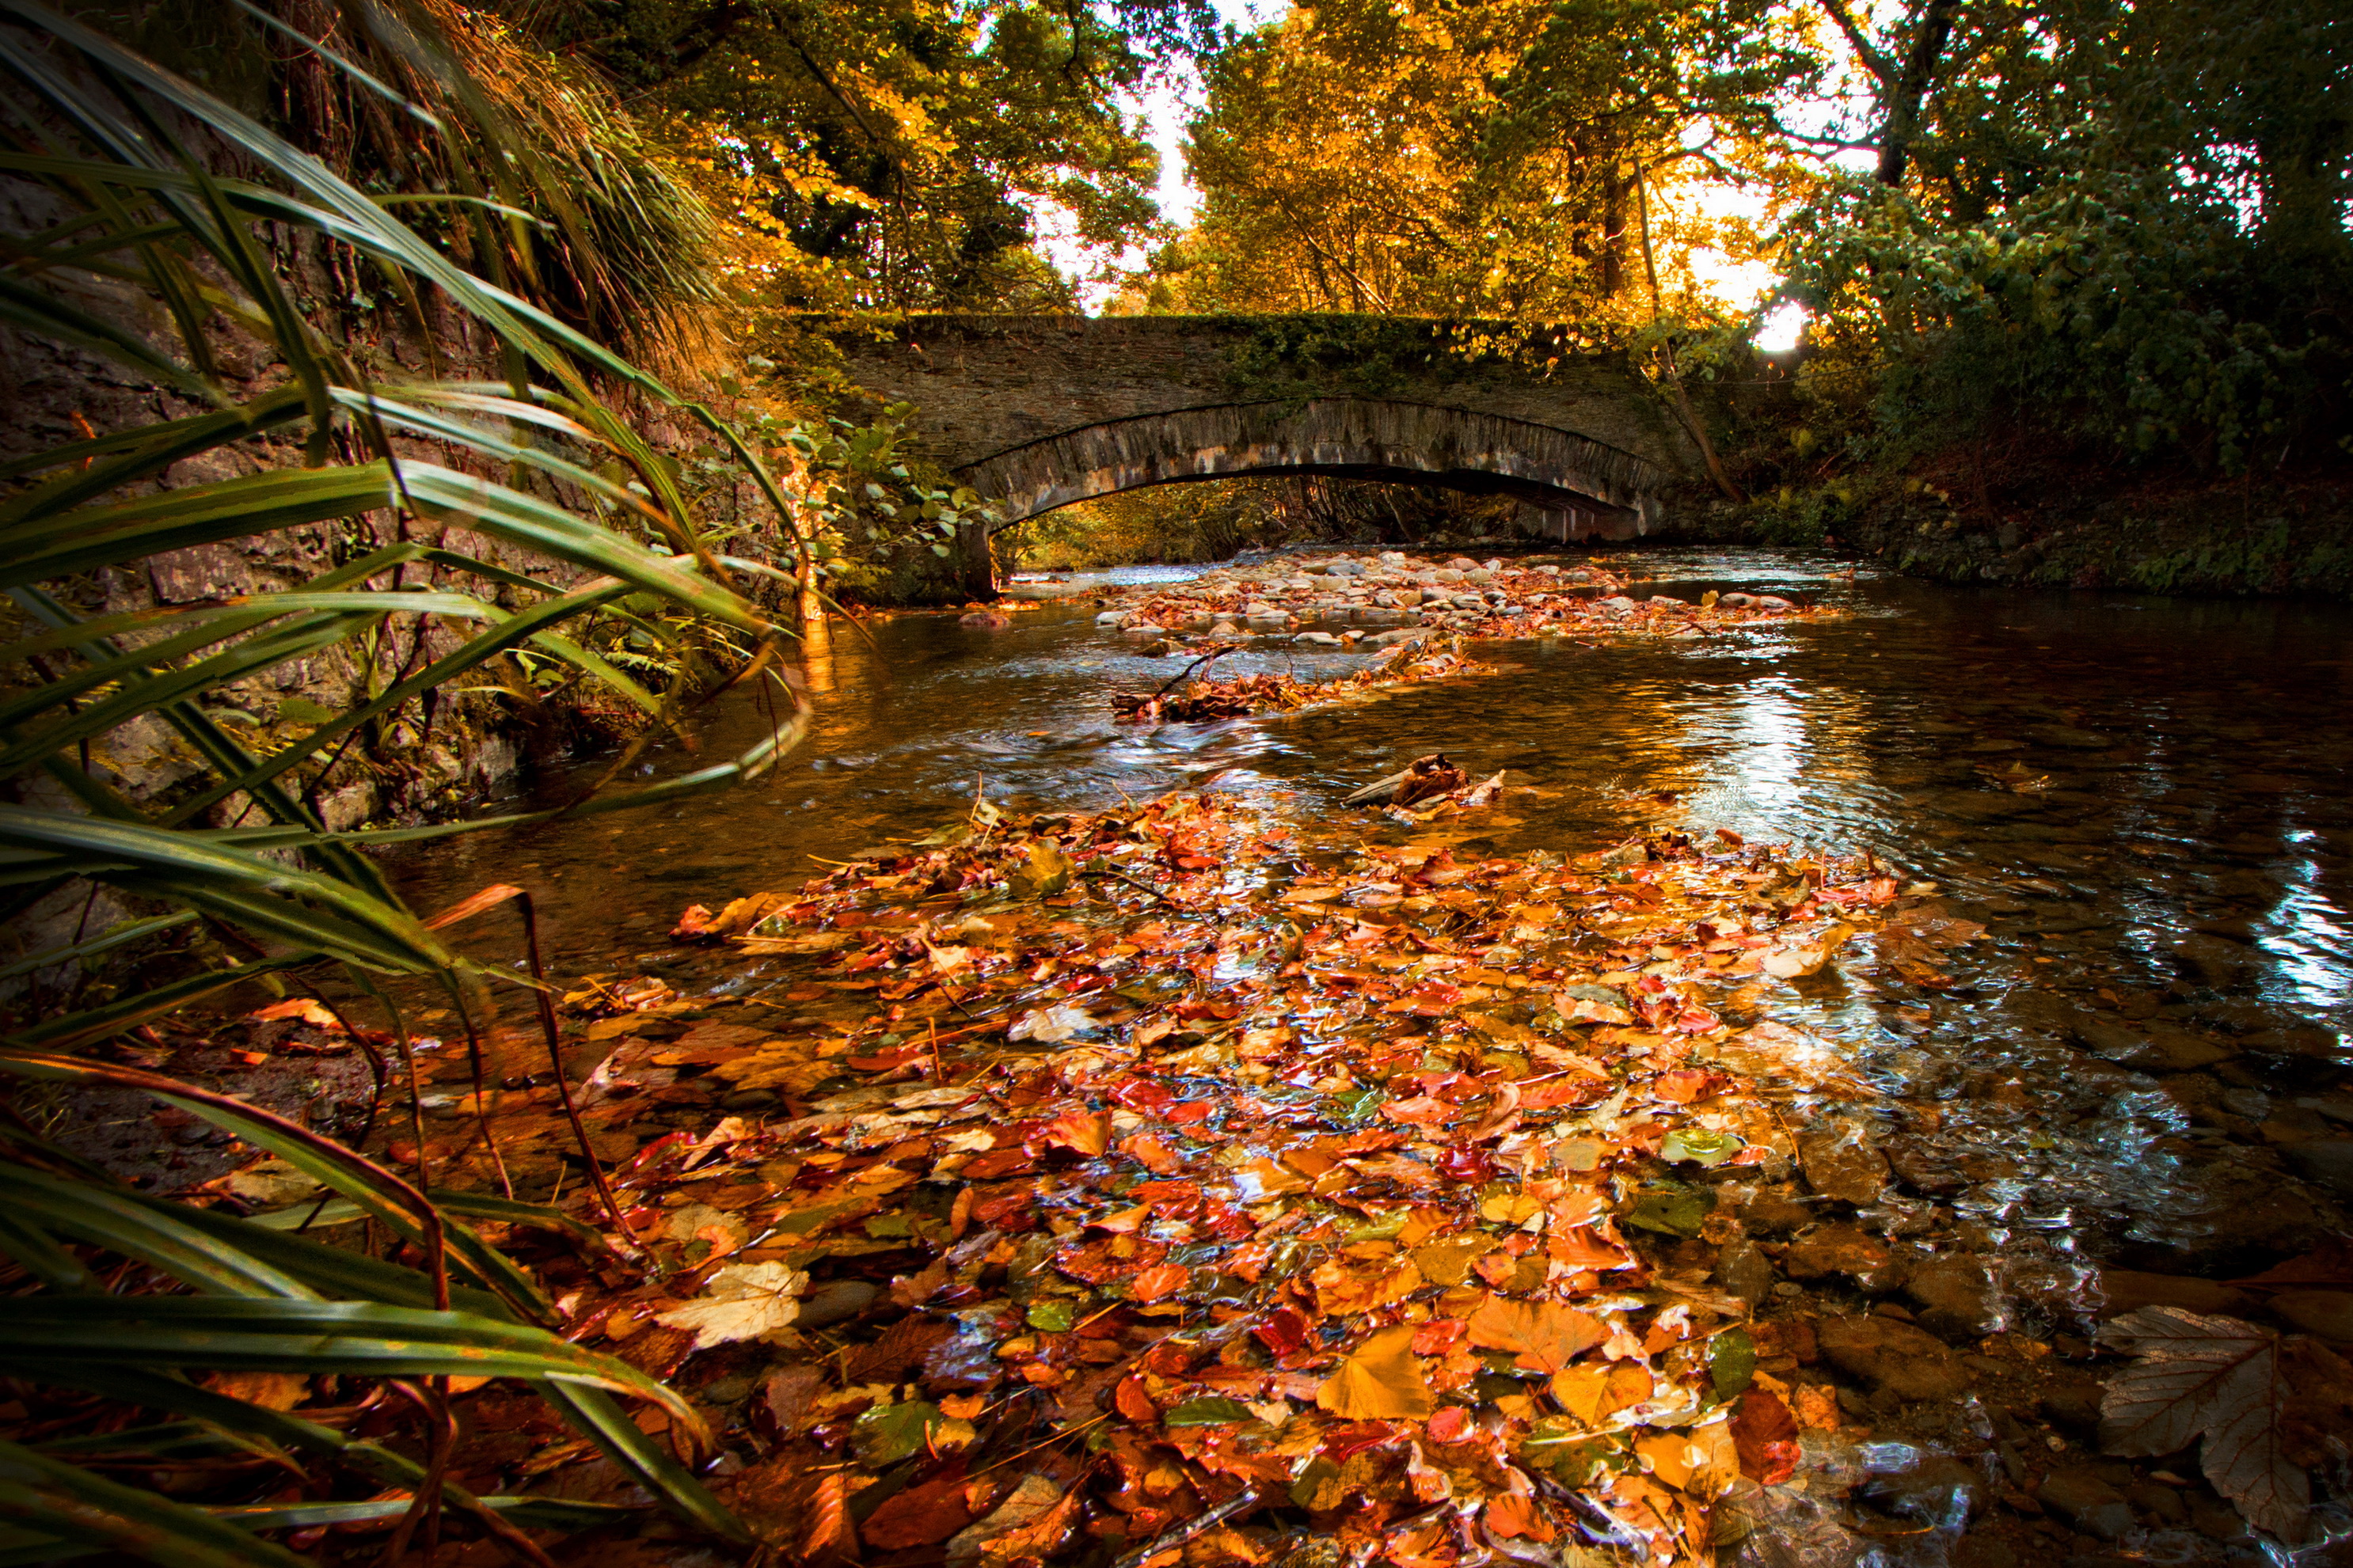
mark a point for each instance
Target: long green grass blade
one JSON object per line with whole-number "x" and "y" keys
{"x": 218, "y": 1333}
{"x": 42, "y": 1258}
{"x": 75, "y": 1030}
{"x": 148, "y": 450}
{"x": 249, "y": 504}
{"x": 72, "y": 1503}
{"x": 46, "y": 316}
{"x": 75, "y": 952}
{"x": 325, "y": 1270}
{"x": 213, "y": 873}
{"x": 597, "y": 1417}
{"x": 156, "y": 1234}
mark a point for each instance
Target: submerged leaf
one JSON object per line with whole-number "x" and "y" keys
{"x": 2217, "y": 1377}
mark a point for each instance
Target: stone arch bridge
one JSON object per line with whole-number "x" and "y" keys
{"x": 1036, "y": 412}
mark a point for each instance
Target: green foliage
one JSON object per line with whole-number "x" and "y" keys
{"x": 267, "y": 1300}
{"x": 409, "y": 618}
{"x": 881, "y": 524}
{"x": 2125, "y": 226}
{"x": 2109, "y": 303}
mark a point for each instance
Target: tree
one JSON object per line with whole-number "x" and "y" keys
{"x": 887, "y": 153}
{"x": 1477, "y": 158}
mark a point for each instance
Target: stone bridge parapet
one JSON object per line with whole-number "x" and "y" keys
{"x": 1036, "y": 412}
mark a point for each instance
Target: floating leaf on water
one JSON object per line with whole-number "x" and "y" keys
{"x": 1380, "y": 1382}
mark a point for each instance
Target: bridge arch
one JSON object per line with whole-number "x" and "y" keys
{"x": 1590, "y": 486}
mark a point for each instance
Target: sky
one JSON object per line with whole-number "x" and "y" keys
{"x": 1165, "y": 105}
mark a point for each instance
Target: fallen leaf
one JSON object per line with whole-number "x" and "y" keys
{"x": 1160, "y": 1280}
{"x": 1545, "y": 1335}
{"x": 1381, "y": 1380}
{"x": 743, "y": 1301}
{"x": 2193, "y": 1375}
{"x": 921, "y": 1515}
{"x": 1765, "y": 1434}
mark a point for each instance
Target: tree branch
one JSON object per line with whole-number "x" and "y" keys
{"x": 1874, "y": 62}
{"x": 1919, "y": 68}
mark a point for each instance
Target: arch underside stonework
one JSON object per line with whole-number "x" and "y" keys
{"x": 1591, "y": 489}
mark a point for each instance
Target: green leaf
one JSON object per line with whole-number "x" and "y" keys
{"x": 1700, "y": 1146}
{"x": 1215, "y": 1411}
{"x": 303, "y": 907}
{"x": 1731, "y": 1361}
{"x": 1055, "y": 1316}
{"x": 1670, "y": 1210}
{"x": 302, "y": 711}
{"x": 887, "y": 1434}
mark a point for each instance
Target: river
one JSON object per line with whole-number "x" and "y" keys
{"x": 2143, "y": 800}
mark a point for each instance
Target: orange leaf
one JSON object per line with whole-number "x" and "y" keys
{"x": 831, "y": 1537}
{"x": 1155, "y": 1155}
{"x": 1380, "y": 1382}
{"x": 1546, "y": 1335}
{"x": 1087, "y": 1132}
{"x": 1516, "y": 1515}
{"x": 1160, "y": 1280}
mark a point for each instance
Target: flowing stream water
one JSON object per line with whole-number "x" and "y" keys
{"x": 2142, "y": 1064}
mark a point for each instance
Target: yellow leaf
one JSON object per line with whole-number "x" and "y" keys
{"x": 1381, "y": 1381}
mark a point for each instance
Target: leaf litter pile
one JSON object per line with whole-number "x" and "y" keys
{"x": 1185, "y": 701}
{"x": 1419, "y": 614}
{"x": 1195, "y": 1183}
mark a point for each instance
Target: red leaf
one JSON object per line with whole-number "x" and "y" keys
{"x": 1283, "y": 1331}
{"x": 1683, "y": 1085}
{"x": 1765, "y": 1434}
{"x": 921, "y": 1516}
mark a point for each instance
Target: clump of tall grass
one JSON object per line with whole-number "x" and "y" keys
{"x": 479, "y": 520}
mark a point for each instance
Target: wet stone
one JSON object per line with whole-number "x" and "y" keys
{"x": 2324, "y": 1161}
{"x": 1955, "y": 1297}
{"x": 1838, "y": 1165}
{"x": 2125, "y": 1290}
{"x": 1746, "y": 1272}
{"x": 2326, "y": 1313}
{"x": 2158, "y": 1046}
{"x": 1892, "y": 1357}
{"x": 2083, "y": 1499}
{"x": 2073, "y": 1400}
{"x": 1846, "y": 1251}
{"x": 1775, "y": 1214}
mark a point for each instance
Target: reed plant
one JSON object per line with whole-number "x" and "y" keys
{"x": 475, "y": 523}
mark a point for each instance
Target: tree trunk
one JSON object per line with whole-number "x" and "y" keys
{"x": 1910, "y": 89}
